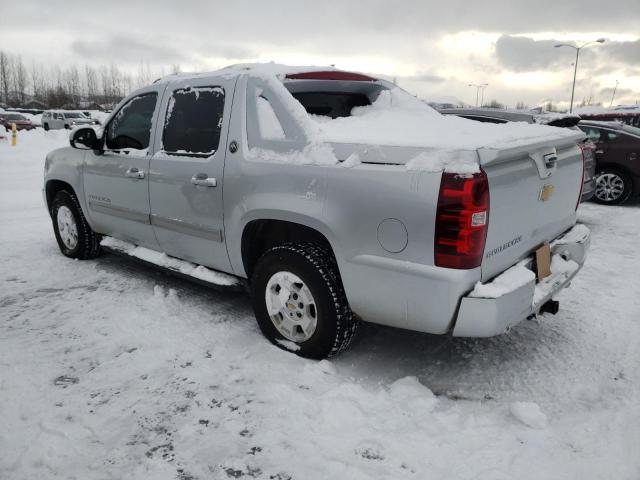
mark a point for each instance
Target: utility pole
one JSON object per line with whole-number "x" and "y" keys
{"x": 614, "y": 94}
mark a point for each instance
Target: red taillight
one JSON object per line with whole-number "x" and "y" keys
{"x": 461, "y": 220}
{"x": 330, "y": 75}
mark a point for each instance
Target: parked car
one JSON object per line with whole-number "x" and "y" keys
{"x": 262, "y": 174}
{"x": 22, "y": 122}
{"x": 494, "y": 115}
{"x": 617, "y": 160}
{"x": 59, "y": 119}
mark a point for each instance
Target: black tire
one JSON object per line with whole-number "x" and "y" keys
{"x": 88, "y": 243}
{"x": 605, "y": 177}
{"x": 46, "y": 127}
{"x": 66, "y": 127}
{"x": 317, "y": 268}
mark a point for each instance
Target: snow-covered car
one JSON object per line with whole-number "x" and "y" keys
{"x": 553, "y": 119}
{"x": 59, "y": 119}
{"x": 334, "y": 196}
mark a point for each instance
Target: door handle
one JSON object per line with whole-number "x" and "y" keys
{"x": 133, "y": 172}
{"x": 202, "y": 180}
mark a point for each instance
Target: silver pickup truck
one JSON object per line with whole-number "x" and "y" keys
{"x": 336, "y": 197}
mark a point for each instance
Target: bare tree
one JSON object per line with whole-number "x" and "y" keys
{"x": 5, "y": 75}
{"x": 91, "y": 80}
{"x": 20, "y": 79}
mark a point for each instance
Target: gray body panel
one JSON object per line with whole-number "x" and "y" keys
{"x": 377, "y": 216}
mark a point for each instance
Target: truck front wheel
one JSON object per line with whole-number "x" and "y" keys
{"x": 73, "y": 233}
{"x": 299, "y": 301}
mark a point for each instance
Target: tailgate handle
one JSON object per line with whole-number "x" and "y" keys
{"x": 546, "y": 161}
{"x": 550, "y": 160}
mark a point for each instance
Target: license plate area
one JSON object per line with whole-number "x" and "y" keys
{"x": 543, "y": 261}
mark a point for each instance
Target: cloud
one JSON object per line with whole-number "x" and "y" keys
{"x": 427, "y": 78}
{"x": 624, "y": 52}
{"x": 126, "y": 49}
{"x": 524, "y": 54}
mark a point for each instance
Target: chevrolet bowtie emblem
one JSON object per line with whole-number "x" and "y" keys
{"x": 546, "y": 192}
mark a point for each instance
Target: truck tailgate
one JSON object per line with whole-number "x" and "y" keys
{"x": 533, "y": 191}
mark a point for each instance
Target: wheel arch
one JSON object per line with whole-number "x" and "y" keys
{"x": 52, "y": 187}
{"x": 260, "y": 234}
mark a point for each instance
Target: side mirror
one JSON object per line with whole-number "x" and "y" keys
{"x": 85, "y": 139}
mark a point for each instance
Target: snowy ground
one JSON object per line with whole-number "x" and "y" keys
{"x": 112, "y": 370}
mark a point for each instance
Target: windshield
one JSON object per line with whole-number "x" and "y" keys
{"x": 74, "y": 115}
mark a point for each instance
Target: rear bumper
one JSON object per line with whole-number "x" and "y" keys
{"x": 489, "y": 315}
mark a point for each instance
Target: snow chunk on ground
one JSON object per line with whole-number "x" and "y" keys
{"x": 529, "y": 413}
{"x": 411, "y": 392}
{"x": 162, "y": 259}
{"x": 507, "y": 282}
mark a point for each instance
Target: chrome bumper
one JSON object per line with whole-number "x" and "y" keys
{"x": 486, "y": 317}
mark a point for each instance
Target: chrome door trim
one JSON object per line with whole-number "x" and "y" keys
{"x": 119, "y": 212}
{"x": 201, "y": 231}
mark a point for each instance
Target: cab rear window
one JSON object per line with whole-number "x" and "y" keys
{"x": 331, "y": 104}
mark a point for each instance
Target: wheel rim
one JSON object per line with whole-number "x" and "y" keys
{"x": 291, "y": 307}
{"x": 67, "y": 227}
{"x": 609, "y": 187}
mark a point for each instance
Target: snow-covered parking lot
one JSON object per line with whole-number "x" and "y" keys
{"x": 112, "y": 370}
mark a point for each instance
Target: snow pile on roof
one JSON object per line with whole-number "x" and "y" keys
{"x": 598, "y": 110}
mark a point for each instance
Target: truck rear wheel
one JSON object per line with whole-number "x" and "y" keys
{"x": 299, "y": 301}
{"x": 73, "y": 233}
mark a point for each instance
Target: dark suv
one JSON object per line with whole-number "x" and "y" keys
{"x": 617, "y": 160}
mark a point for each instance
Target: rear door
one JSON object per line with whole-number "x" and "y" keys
{"x": 116, "y": 181}
{"x": 186, "y": 181}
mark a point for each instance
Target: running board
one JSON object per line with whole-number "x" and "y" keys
{"x": 189, "y": 270}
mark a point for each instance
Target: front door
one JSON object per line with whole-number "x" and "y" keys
{"x": 116, "y": 181}
{"x": 186, "y": 172}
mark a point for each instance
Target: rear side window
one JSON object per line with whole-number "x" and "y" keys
{"x": 270, "y": 126}
{"x": 331, "y": 104}
{"x": 131, "y": 127}
{"x": 194, "y": 121}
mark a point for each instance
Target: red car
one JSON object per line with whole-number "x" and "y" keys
{"x": 22, "y": 122}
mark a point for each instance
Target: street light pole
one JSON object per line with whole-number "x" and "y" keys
{"x": 575, "y": 69}
{"x": 478, "y": 87}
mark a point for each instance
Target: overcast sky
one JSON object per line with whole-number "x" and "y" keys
{"x": 433, "y": 48}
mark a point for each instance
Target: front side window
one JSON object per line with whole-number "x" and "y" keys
{"x": 194, "y": 121}
{"x": 131, "y": 126}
